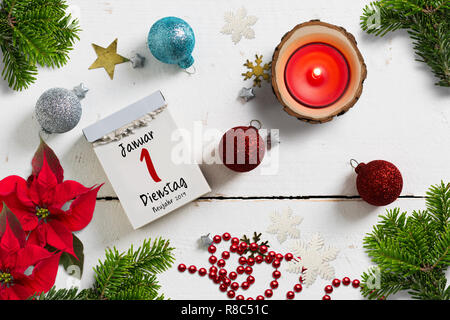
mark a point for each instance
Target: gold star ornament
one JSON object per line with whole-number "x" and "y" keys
{"x": 107, "y": 58}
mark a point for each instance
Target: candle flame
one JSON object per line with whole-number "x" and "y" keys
{"x": 317, "y": 72}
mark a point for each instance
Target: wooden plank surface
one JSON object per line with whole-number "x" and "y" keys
{"x": 342, "y": 223}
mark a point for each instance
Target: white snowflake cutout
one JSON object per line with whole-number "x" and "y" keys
{"x": 238, "y": 25}
{"x": 283, "y": 225}
{"x": 314, "y": 258}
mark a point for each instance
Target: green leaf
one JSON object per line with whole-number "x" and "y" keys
{"x": 74, "y": 265}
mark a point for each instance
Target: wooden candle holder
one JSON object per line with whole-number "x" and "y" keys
{"x": 310, "y": 32}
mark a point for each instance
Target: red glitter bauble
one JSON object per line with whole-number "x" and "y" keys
{"x": 379, "y": 182}
{"x": 242, "y": 149}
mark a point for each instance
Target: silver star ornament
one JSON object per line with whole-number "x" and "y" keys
{"x": 80, "y": 91}
{"x": 246, "y": 94}
{"x": 206, "y": 240}
{"x": 138, "y": 61}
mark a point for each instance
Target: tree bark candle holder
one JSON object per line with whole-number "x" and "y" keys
{"x": 317, "y": 71}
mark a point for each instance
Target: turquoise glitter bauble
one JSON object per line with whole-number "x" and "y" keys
{"x": 171, "y": 40}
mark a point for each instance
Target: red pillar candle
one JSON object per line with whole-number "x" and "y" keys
{"x": 317, "y": 71}
{"x": 317, "y": 75}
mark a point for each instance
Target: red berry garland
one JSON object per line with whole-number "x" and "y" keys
{"x": 226, "y": 280}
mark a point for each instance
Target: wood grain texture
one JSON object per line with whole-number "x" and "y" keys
{"x": 342, "y": 224}
{"x": 401, "y": 116}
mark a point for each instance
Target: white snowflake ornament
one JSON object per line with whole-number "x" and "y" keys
{"x": 283, "y": 225}
{"x": 313, "y": 259}
{"x": 238, "y": 25}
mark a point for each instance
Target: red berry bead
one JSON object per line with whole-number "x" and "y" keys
{"x": 300, "y": 279}
{"x": 192, "y": 269}
{"x": 235, "y": 241}
{"x": 202, "y": 272}
{"x": 240, "y": 297}
{"x": 290, "y": 295}
{"x": 217, "y": 279}
{"x": 276, "y": 264}
{"x": 274, "y": 284}
{"x": 225, "y": 254}
{"x": 221, "y": 263}
{"x": 245, "y": 285}
{"x": 212, "y": 275}
{"x": 328, "y": 289}
{"x": 276, "y": 274}
{"x": 240, "y": 251}
{"x": 212, "y": 249}
{"x": 355, "y": 283}
{"x": 289, "y": 256}
{"x": 336, "y": 283}
{"x": 212, "y": 259}
{"x": 226, "y": 236}
{"x": 223, "y": 288}
{"x": 268, "y": 293}
{"x": 222, "y": 272}
{"x": 249, "y": 298}
{"x": 326, "y": 297}
{"x": 248, "y": 270}
{"x": 213, "y": 269}
{"x": 240, "y": 270}
{"x": 272, "y": 254}
{"x": 268, "y": 259}
{"x": 182, "y": 268}
{"x": 234, "y": 248}
{"x": 259, "y": 259}
{"x": 259, "y": 298}
{"x": 231, "y": 294}
{"x": 250, "y": 261}
{"x": 232, "y": 275}
{"x": 242, "y": 260}
{"x": 234, "y": 286}
{"x": 253, "y": 246}
{"x": 263, "y": 249}
{"x": 243, "y": 246}
{"x": 279, "y": 256}
{"x": 346, "y": 281}
{"x": 226, "y": 281}
{"x": 251, "y": 279}
{"x": 217, "y": 239}
{"x": 298, "y": 287}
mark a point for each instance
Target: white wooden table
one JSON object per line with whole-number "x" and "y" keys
{"x": 401, "y": 117}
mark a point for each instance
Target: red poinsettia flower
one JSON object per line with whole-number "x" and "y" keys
{"x": 25, "y": 268}
{"x": 41, "y": 203}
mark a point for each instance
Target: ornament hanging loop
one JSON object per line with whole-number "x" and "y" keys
{"x": 191, "y": 70}
{"x": 354, "y": 163}
{"x": 256, "y": 124}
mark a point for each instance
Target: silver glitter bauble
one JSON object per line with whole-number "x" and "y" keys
{"x": 58, "y": 110}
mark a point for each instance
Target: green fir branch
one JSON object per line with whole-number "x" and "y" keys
{"x": 411, "y": 252}
{"x": 34, "y": 33}
{"x": 129, "y": 275}
{"x": 426, "y": 21}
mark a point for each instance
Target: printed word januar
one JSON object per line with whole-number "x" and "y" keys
{"x": 135, "y": 144}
